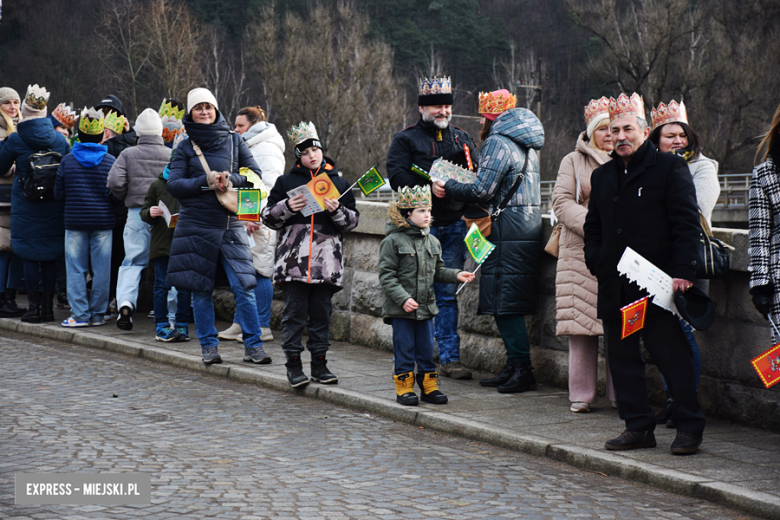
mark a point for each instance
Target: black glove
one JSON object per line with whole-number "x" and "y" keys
{"x": 762, "y": 299}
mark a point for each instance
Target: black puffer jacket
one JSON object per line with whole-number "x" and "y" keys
{"x": 205, "y": 228}
{"x": 419, "y": 144}
{"x": 119, "y": 143}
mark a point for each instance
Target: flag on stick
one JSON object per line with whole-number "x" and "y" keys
{"x": 371, "y": 181}
{"x": 422, "y": 173}
{"x": 768, "y": 366}
{"x": 478, "y": 245}
{"x": 633, "y": 317}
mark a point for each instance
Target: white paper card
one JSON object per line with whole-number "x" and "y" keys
{"x": 639, "y": 270}
{"x": 166, "y": 213}
{"x": 251, "y": 240}
{"x": 312, "y": 206}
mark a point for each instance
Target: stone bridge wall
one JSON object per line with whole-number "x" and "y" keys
{"x": 729, "y": 389}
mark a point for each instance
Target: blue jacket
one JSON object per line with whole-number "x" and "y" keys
{"x": 81, "y": 183}
{"x": 205, "y": 229}
{"x": 37, "y": 230}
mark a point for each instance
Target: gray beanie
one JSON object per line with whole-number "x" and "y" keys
{"x": 7, "y": 93}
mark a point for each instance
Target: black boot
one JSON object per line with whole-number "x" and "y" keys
{"x": 295, "y": 374}
{"x": 47, "y": 306}
{"x": 10, "y": 304}
{"x": 502, "y": 376}
{"x": 33, "y": 314}
{"x": 429, "y": 388}
{"x": 522, "y": 379}
{"x": 666, "y": 414}
{"x": 3, "y": 303}
{"x": 319, "y": 370}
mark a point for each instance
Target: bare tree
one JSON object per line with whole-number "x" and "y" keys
{"x": 226, "y": 74}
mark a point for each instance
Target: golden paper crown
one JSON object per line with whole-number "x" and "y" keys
{"x": 65, "y": 115}
{"x": 671, "y": 113}
{"x": 490, "y": 103}
{"x": 596, "y": 108}
{"x": 414, "y": 197}
{"x": 168, "y": 110}
{"x": 36, "y": 97}
{"x": 91, "y": 122}
{"x": 172, "y": 128}
{"x": 300, "y": 133}
{"x": 115, "y": 122}
{"x": 435, "y": 86}
{"x": 626, "y": 106}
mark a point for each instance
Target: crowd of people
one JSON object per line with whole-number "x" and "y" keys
{"x": 87, "y": 200}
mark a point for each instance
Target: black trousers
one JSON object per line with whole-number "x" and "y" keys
{"x": 665, "y": 340}
{"x": 306, "y": 305}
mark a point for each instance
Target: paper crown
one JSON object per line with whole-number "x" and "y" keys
{"x": 596, "y": 108}
{"x": 300, "y": 133}
{"x": 172, "y": 127}
{"x": 671, "y": 113}
{"x": 65, "y": 115}
{"x": 626, "y": 106}
{"x": 434, "y": 86}
{"x": 91, "y": 122}
{"x": 495, "y": 103}
{"x": 168, "y": 110}
{"x": 414, "y": 197}
{"x": 115, "y": 122}
{"x": 36, "y": 97}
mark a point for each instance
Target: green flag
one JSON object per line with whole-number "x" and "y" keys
{"x": 422, "y": 173}
{"x": 478, "y": 245}
{"x": 249, "y": 204}
{"x": 371, "y": 181}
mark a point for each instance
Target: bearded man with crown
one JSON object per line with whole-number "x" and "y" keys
{"x": 644, "y": 200}
{"x": 420, "y": 144}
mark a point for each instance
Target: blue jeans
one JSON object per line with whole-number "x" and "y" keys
{"x": 137, "y": 238}
{"x": 246, "y": 309}
{"x": 183, "y": 298}
{"x": 446, "y": 323}
{"x": 81, "y": 247}
{"x": 264, "y": 295}
{"x": 688, "y": 330}
{"x": 413, "y": 341}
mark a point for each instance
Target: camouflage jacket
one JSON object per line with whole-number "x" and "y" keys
{"x": 309, "y": 249}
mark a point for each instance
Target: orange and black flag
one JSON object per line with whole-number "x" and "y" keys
{"x": 768, "y": 366}
{"x": 633, "y": 317}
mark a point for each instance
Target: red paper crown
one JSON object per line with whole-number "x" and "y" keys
{"x": 625, "y": 106}
{"x": 65, "y": 115}
{"x": 596, "y": 107}
{"x": 496, "y": 102}
{"x": 671, "y": 113}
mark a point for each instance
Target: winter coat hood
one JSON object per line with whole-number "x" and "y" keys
{"x": 37, "y": 133}
{"x": 398, "y": 224}
{"x": 260, "y": 132}
{"x": 207, "y": 136}
{"x": 585, "y": 148}
{"x": 89, "y": 155}
{"x": 521, "y": 126}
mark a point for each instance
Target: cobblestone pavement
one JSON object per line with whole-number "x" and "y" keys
{"x": 218, "y": 449}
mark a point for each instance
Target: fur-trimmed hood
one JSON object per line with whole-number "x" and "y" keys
{"x": 398, "y": 224}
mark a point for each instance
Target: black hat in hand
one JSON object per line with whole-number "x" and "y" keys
{"x": 695, "y": 307}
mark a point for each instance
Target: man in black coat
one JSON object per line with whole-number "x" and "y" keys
{"x": 421, "y": 144}
{"x": 645, "y": 200}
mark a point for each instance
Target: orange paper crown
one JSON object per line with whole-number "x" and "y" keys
{"x": 671, "y": 113}
{"x": 65, "y": 115}
{"x": 496, "y": 102}
{"x": 625, "y": 106}
{"x": 596, "y": 108}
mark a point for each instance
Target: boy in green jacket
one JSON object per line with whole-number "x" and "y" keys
{"x": 409, "y": 263}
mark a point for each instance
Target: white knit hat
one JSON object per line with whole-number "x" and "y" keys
{"x": 200, "y": 95}
{"x": 595, "y": 123}
{"x": 149, "y": 123}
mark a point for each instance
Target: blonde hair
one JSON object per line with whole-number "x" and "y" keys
{"x": 770, "y": 137}
{"x": 591, "y": 141}
{"x": 9, "y": 123}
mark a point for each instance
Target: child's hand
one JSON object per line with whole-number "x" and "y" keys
{"x": 410, "y": 305}
{"x": 154, "y": 211}
{"x": 465, "y": 276}
{"x": 296, "y": 203}
{"x": 332, "y": 204}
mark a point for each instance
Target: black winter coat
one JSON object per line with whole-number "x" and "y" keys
{"x": 419, "y": 145}
{"x": 117, "y": 144}
{"x": 654, "y": 213}
{"x": 205, "y": 228}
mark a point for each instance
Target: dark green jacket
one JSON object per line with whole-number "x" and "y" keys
{"x": 162, "y": 235}
{"x": 409, "y": 262}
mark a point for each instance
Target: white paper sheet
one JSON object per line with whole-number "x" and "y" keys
{"x": 167, "y": 214}
{"x": 647, "y": 276}
{"x": 312, "y": 206}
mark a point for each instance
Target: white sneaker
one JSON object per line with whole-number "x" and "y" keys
{"x": 580, "y": 407}
{"x": 231, "y": 333}
{"x": 266, "y": 334}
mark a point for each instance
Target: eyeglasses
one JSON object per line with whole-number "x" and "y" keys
{"x": 203, "y": 107}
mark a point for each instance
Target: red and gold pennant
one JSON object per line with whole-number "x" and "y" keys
{"x": 633, "y": 317}
{"x": 768, "y": 366}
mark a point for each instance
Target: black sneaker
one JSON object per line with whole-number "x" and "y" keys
{"x": 686, "y": 443}
{"x": 257, "y": 355}
{"x": 210, "y": 355}
{"x": 125, "y": 320}
{"x": 629, "y": 440}
{"x": 295, "y": 374}
{"x": 320, "y": 372}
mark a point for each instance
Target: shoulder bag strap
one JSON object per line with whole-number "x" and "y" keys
{"x": 203, "y": 162}
{"x": 514, "y": 187}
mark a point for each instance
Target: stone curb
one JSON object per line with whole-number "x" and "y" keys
{"x": 752, "y": 502}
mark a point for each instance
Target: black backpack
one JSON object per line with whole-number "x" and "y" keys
{"x": 39, "y": 184}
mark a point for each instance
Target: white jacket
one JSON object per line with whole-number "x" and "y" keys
{"x": 267, "y": 147}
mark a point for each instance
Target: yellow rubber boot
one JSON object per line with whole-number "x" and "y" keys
{"x": 429, "y": 386}
{"x": 404, "y": 389}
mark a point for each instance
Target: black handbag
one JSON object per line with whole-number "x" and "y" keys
{"x": 39, "y": 183}
{"x": 714, "y": 255}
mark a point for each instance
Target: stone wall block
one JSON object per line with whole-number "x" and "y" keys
{"x": 367, "y": 295}
{"x": 371, "y": 332}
